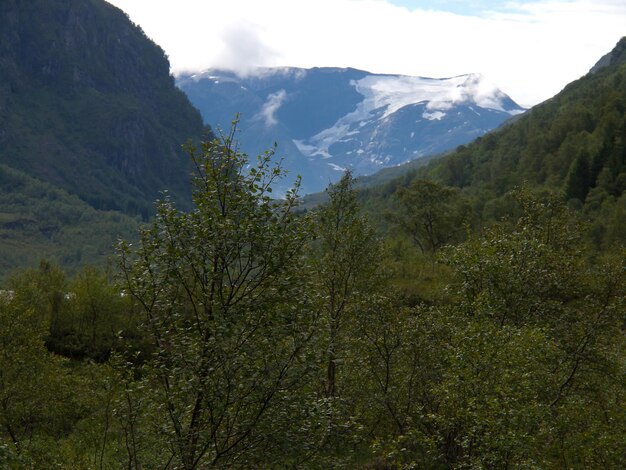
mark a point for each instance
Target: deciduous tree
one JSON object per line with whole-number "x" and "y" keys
{"x": 225, "y": 302}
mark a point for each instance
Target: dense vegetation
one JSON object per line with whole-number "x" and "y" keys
{"x": 476, "y": 320}
{"x": 40, "y": 221}
{"x": 241, "y": 334}
{"x": 88, "y": 104}
{"x": 87, "y": 107}
{"x": 572, "y": 144}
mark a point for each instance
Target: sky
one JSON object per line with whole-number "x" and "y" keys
{"x": 530, "y": 49}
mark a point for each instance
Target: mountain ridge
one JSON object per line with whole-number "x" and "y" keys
{"x": 572, "y": 145}
{"x": 616, "y": 56}
{"x": 329, "y": 119}
{"x": 91, "y": 129}
{"x": 88, "y": 104}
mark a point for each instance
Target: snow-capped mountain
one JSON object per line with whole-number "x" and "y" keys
{"x": 329, "y": 119}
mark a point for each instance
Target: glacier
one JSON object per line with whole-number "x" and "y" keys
{"x": 328, "y": 119}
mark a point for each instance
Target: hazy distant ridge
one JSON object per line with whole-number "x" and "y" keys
{"x": 329, "y": 119}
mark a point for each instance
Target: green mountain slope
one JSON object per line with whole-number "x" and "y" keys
{"x": 615, "y": 57}
{"x": 573, "y": 144}
{"x": 87, "y": 103}
{"x": 91, "y": 128}
{"x": 40, "y": 221}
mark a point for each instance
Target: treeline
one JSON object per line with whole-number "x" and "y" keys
{"x": 38, "y": 220}
{"x": 572, "y": 145}
{"x": 243, "y": 334}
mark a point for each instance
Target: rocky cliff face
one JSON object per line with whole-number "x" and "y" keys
{"x": 87, "y": 103}
{"x": 615, "y": 57}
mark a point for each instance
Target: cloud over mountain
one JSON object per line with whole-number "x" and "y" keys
{"x": 328, "y": 119}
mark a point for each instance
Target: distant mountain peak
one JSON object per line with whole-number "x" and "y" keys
{"x": 441, "y": 94}
{"x": 329, "y": 119}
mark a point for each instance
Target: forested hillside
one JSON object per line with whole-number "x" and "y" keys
{"x": 243, "y": 335}
{"x": 87, "y": 106}
{"x": 466, "y": 315}
{"x": 40, "y": 221}
{"x": 573, "y": 144}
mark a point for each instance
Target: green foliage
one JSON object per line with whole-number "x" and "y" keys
{"x": 347, "y": 268}
{"x": 528, "y": 272}
{"x": 225, "y": 304}
{"x": 90, "y": 106}
{"x": 254, "y": 337}
{"x": 94, "y": 314}
{"x": 430, "y": 214}
{"x": 43, "y": 398}
{"x": 578, "y": 180}
{"x": 572, "y": 144}
{"x": 39, "y": 221}
{"x": 347, "y": 272}
{"x": 533, "y": 321}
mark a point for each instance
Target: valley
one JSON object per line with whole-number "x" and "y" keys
{"x": 444, "y": 286}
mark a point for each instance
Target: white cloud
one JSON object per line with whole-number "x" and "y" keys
{"x": 273, "y": 103}
{"x": 530, "y": 50}
{"x": 243, "y": 48}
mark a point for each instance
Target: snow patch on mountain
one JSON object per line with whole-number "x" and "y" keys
{"x": 328, "y": 119}
{"x": 383, "y": 95}
{"x": 272, "y": 104}
{"x": 337, "y": 167}
{"x": 394, "y": 92}
{"x": 433, "y": 116}
{"x": 310, "y": 150}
